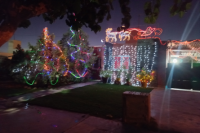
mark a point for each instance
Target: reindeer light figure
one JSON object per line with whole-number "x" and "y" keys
{"x": 125, "y": 34}
{"x": 111, "y": 35}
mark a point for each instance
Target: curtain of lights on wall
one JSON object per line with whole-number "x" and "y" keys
{"x": 124, "y": 57}
{"x": 146, "y": 56}
{"x": 120, "y": 57}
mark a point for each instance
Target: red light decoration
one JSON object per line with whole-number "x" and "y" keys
{"x": 193, "y": 45}
{"x": 126, "y": 34}
{"x": 49, "y": 44}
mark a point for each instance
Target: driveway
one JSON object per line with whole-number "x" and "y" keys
{"x": 176, "y": 110}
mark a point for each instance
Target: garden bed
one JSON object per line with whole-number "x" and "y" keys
{"x": 102, "y": 100}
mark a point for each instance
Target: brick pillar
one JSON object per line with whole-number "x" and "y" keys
{"x": 161, "y": 71}
{"x": 136, "y": 107}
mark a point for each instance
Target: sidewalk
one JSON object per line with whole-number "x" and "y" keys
{"x": 15, "y": 100}
{"x": 37, "y": 119}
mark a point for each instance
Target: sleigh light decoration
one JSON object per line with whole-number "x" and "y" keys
{"x": 125, "y": 35}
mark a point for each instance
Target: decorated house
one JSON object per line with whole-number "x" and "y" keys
{"x": 139, "y": 50}
{"x": 176, "y": 63}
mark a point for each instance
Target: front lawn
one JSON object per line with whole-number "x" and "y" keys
{"x": 103, "y": 100}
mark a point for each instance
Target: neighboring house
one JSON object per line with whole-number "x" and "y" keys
{"x": 97, "y": 52}
{"x": 183, "y": 61}
{"x": 97, "y": 65}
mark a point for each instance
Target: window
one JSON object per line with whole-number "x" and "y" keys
{"x": 117, "y": 62}
{"x": 121, "y": 61}
{"x": 126, "y": 62}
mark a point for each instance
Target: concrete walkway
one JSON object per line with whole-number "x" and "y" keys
{"x": 14, "y": 100}
{"x": 174, "y": 111}
{"x": 37, "y": 119}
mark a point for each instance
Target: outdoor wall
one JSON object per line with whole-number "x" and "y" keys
{"x": 161, "y": 66}
{"x": 12, "y": 44}
{"x": 108, "y": 55}
{"x": 149, "y": 53}
{"x": 147, "y": 56}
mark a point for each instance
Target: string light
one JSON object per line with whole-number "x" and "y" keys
{"x": 117, "y": 58}
{"x": 193, "y": 45}
{"x": 126, "y": 34}
{"x": 84, "y": 73}
{"x": 49, "y": 59}
{"x": 35, "y": 79}
{"x": 146, "y": 58}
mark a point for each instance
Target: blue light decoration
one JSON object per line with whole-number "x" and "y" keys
{"x": 47, "y": 69}
{"x": 72, "y": 56}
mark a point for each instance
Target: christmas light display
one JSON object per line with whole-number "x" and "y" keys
{"x": 146, "y": 54}
{"x": 49, "y": 44}
{"x": 147, "y": 32}
{"x": 51, "y": 61}
{"x": 125, "y": 60}
{"x": 111, "y": 35}
{"x": 145, "y": 77}
{"x": 52, "y": 55}
{"x": 127, "y": 33}
{"x": 119, "y": 60}
{"x": 194, "y": 47}
{"x": 84, "y": 73}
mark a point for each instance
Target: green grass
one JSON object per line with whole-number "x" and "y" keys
{"x": 101, "y": 100}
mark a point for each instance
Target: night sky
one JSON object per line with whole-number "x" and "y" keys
{"x": 174, "y": 28}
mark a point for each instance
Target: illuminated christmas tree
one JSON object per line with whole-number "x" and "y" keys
{"x": 47, "y": 61}
{"x": 80, "y": 55}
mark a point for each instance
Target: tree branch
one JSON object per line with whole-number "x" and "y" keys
{"x": 17, "y": 14}
{"x": 7, "y": 29}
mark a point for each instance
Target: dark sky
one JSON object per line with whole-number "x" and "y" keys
{"x": 174, "y": 28}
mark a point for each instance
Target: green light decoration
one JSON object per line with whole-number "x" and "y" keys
{"x": 36, "y": 77}
{"x": 75, "y": 75}
{"x": 33, "y": 80}
{"x": 53, "y": 68}
{"x": 55, "y": 82}
{"x": 40, "y": 73}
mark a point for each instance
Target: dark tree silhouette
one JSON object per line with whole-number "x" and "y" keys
{"x": 16, "y": 13}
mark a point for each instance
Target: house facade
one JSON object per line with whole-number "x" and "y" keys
{"x": 176, "y": 63}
